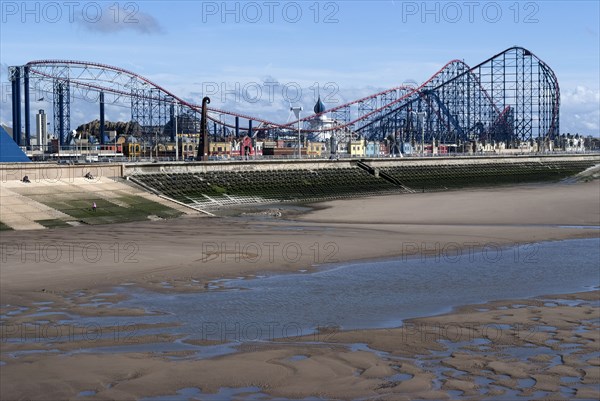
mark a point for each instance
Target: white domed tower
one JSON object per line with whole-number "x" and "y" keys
{"x": 321, "y": 122}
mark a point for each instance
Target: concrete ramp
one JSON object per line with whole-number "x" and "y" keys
{"x": 55, "y": 203}
{"x": 21, "y": 213}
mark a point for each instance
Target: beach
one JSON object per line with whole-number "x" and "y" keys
{"x": 62, "y": 271}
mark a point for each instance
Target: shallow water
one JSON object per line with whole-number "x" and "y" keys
{"x": 375, "y": 294}
{"x": 354, "y": 295}
{"x": 224, "y": 393}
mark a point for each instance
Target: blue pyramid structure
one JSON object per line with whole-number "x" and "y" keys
{"x": 9, "y": 151}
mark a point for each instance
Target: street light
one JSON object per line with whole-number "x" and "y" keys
{"x": 156, "y": 142}
{"x": 176, "y": 112}
{"x": 77, "y": 137}
{"x": 297, "y": 111}
{"x": 422, "y": 114}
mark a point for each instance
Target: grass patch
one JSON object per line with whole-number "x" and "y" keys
{"x": 218, "y": 189}
{"x": 4, "y": 227}
{"x": 134, "y": 208}
{"x": 53, "y": 223}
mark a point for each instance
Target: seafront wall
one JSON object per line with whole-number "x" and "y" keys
{"x": 57, "y": 172}
{"x": 312, "y": 164}
{"x": 49, "y": 172}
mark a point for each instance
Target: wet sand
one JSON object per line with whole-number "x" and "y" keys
{"x": 488, "y": 344}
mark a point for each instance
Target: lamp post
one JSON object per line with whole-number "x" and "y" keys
{"x": 156, "y": 142}
{"x": 422, "y": 114}
{"x": 77, "y": 141}
{"x": 297, "y": 111}
{"x": 176, "y": 135}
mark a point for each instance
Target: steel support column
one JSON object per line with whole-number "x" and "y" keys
{"x": 62, "y": 110}
{"x": 15, "y": 78}
{"x": 27, "y": 110}
{"x": 102, "y": 119}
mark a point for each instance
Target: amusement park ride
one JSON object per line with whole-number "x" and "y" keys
{"x": 512, "y": 96}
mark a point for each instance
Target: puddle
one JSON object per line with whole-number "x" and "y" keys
{"x": 51, "y": 313}
{"x": 524, "y": 353}
{"x": 184, "y": 394}
{"x": 455, "y": 393}
{"x": 19, "y": 310}
{"x": 569, "y": 345}
{"x": 224, "y": 393}
{"x": 17, "y": 354}
{"x": 526, "y": 383}
{"x": 545, "y": 329}
{"x": 569, "y": 379}
{"x": 96, "y": 304}
{"x": 364, "y": 347}
{"x": 456, "y": 346}
{"x": 567, "y": 391}
{"x": 197, "y": 352}
{"x": 400, "y": 377}
{"x": 482, "y": 382}
{"x": 565, "y": 302}
{"x": 586, "y": 227}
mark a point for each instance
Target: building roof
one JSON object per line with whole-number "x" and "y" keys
{"x": 319, "y": 106}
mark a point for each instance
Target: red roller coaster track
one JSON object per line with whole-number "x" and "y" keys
{"x": 37, "y": 68}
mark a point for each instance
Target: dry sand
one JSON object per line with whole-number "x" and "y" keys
{"x": 70, "y": 266}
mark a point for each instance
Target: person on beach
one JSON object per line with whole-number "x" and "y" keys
{"x": 94, "y": 206}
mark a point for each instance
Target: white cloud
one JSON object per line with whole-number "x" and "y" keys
{"x": 115, "y": 19}
{"x": 580, "y": 110}
{"x": 580, "y": 95}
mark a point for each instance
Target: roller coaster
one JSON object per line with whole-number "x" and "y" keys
{"x": 512, "y": 96}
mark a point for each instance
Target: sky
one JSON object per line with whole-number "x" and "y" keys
{"x": 257, "y": 57}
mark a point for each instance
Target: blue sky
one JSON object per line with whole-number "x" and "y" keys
{"x": 348, "y": 49}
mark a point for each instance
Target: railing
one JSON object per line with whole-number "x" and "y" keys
{"x": 71, "y": 155}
